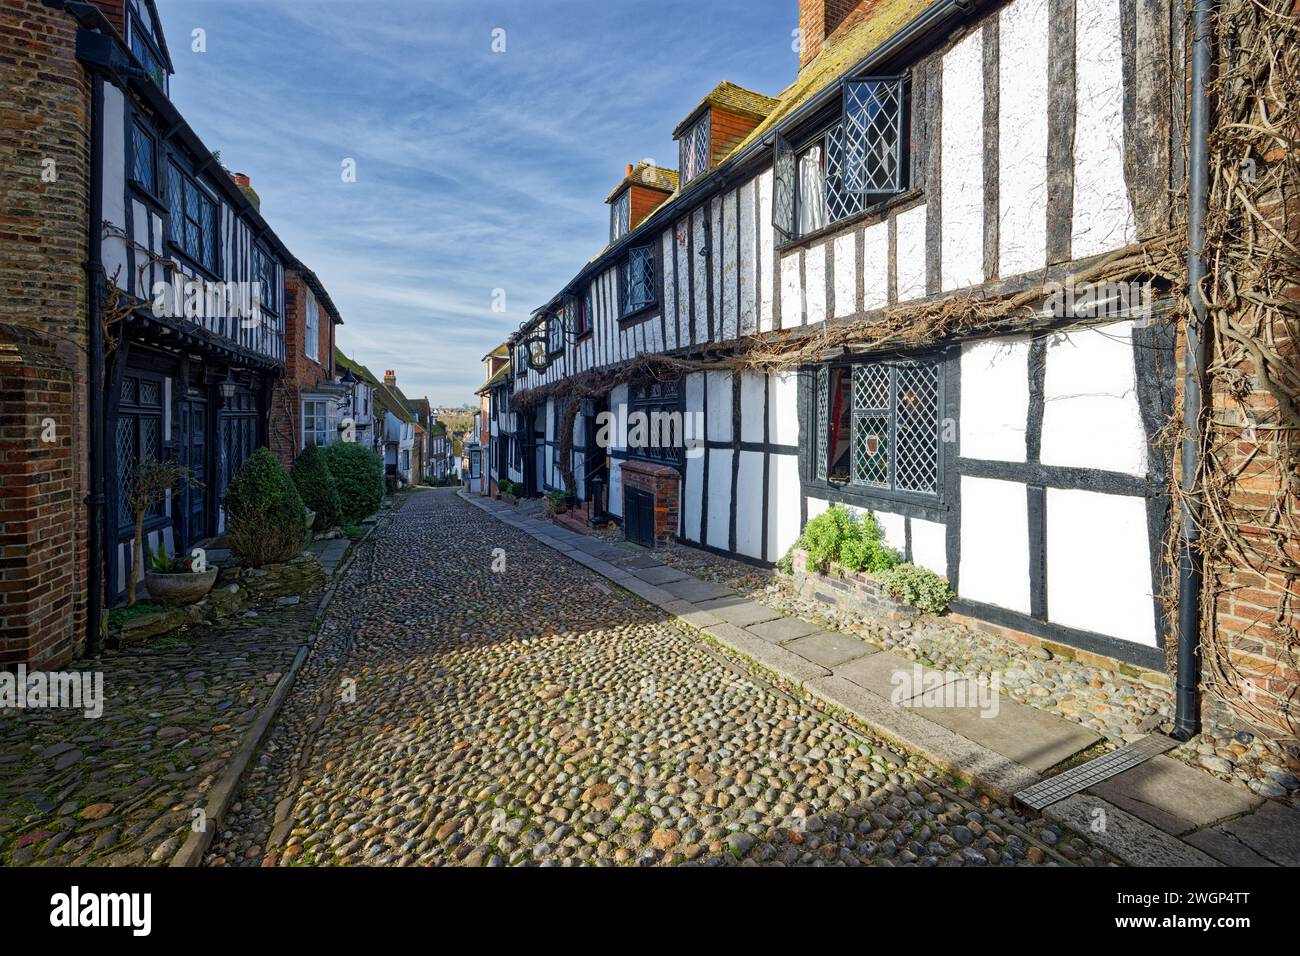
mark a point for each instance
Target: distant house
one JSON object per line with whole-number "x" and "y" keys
{"x": 357, "y": 409}
{"x": 306, "y": 404}
{"x": 399, "y": 430}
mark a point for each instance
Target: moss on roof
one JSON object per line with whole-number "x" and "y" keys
{"x": 735, "y": 99}
{"x": 357, "y": 369}
{"x": 647, "y": 174}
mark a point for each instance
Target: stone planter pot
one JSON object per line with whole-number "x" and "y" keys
{"x": 309, "y": 519}
{"x": 183, "y": 588}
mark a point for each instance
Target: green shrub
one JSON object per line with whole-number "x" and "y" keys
{"x": 264, "y": 513}
{"x": 919, "y": 587}
{"x": 359, "y": 476}
{"x": 856, "y": 542}
{"x": 316, "y": 486}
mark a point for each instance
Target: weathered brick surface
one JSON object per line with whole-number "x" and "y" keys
{"x": 300, "y": 372}
{"x": 44, "y": 223}
{"x": 662, "y": 483}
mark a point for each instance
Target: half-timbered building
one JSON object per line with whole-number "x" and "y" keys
{"x": 928, "y": 151}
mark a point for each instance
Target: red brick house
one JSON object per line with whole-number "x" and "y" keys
{"x": 305, "y": 406}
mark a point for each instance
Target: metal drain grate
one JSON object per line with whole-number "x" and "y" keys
{"x": 1049, "y": 791}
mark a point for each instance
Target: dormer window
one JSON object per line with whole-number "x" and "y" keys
{"x": 620, "y": 215}
{"x": 694, "y": 149}
{"x": 843, "y": 170}
{"x": 144, "y": 45}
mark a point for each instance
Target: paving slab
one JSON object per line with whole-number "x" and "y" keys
{"x": 688, "y": 613}
{"x": 1226, "y": 849}
{"x": 1028, "y": 736}
{"x": 830, "y": 648}
{"x": 660, "y": 574}
{"x": 637, "y": 561}
{"x": 651, "y": 593}
{"x": 1175, "y": 797}
{"x": 783, "y": 629}
{"x": 884, "y": 674}
{"x": 1273, "y": 831}
{"x": 695, "y": 590}
{"x": 736, "y": 610}
{"x": 1130, "y": 838}
{"x": 991, "y": 771}
{"x": 790, "y": 666}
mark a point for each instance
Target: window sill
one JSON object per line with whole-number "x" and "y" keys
{"x": 638, "y": 316}
{"x": 177, "y": 252}
{"x": 869, "y": 496}
{"x": 154, "y": 201}
{"x": 877, "y": 209}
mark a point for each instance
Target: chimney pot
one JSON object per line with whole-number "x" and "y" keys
{"x": 629, "y": 169}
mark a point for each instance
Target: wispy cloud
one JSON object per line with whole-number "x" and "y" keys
{"x": 476, "y": 170}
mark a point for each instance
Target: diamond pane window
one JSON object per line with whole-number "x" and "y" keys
{"x": 142, "y": 158}
{"x": 620, "y": 215}
{"x": 894, "y": 425}
{"x": 175, "y": 221}
{"x": 638, "y": 279}
{"x": 846, "y": 168}
{"x": 823, "y": 415}
{"x": 783, "y": 200}
{"x": 694, "y": 149}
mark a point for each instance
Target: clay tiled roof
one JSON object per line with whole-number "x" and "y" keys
{"x": 735, "y": 99}
{"x": 648, "y": 174}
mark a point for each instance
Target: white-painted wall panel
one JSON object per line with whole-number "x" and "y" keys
{"x": 1022, "y": 137}
{"x": 930, "y": 545}
{"x": 791, "y": 294}
{"x": 783, "y": 408}
{"x": 846, "y": 274}
{"x": 1099, "y": 564}
{"x": 670, "y": 289}
{"x": 816, "y": 506}
{"x": 730, "y": 252}
{"x": 1103, "y": 215}
{"x": 814, "y": 265}
{"x": 995, "y": 398}
{"x": 753, "y": 411}
{"x": 719, "y": 517}
{"x": 749, "y": 504}
{"x": 767, "y": 256}
{"x": 1091, "y": 415}
{"x": 748, "y": 262}
{"x": 693, "y": 503}
{"x": 875, "y": 266}
{"x": 683, "y": 285}
{"x": 961, "y": 143}
{"x": 717, "y": 414}
{"x": 994, "y": 543}
{"x": 782, "y": 504}
{"x": 910, "y": 257}
{"x": 699, "y": 279}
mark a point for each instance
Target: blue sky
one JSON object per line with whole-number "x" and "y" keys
{"x": 475, "y": 170}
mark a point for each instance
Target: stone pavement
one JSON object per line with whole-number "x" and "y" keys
{"x": 1162, "y": 812}
{"x": 455, "y": 710}
{"x": 121, "y": 789}
{"x": 330, "y": 552}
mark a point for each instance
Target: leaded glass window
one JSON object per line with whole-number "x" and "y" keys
{"x": 143, "y": 159}
{"x": 265, "y": 274}
{"x": 620, "y": 215}
{"x": 138, "y": 436}
{"x": 661, "y": 435}
{"x": 878, "y": 425}
{"x": 843, "y": 170}
{"x": 638, "y": 279}
{"x": 191, "y": 219}
{"x": 694, "y": 149}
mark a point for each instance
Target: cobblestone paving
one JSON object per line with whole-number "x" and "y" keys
{"x": 119, "y": 789}
{"x": 537, "y": 717}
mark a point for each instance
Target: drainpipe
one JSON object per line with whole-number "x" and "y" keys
{"x": 94, "y": 400}
{"x": 1186, "y": 716}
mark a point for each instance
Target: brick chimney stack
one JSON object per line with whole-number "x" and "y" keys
{"x": 818, "y": 20}
{"x": 390, "y": 378}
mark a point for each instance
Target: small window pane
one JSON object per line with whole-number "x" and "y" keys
{"x": 142, "y": 157}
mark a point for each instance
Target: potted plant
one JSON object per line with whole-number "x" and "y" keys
{"x": 555, "y": 502}
{"x": 150, "y": 483}
{"x": 177, "y": 580}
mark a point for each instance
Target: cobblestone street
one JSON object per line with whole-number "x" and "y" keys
{"x": 456, "y": 714}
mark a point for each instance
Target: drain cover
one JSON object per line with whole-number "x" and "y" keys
{"x": 1049, "y": 791}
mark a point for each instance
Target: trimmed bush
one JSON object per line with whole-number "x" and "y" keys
{"x": 264, "y": 513}
{"x": 316, "y": 486}
{"x": 359, "y": 476}
{"x": 919, "y": 587}
{"x": 853, "y": 541}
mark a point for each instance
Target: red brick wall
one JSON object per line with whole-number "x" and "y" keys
{"x": 661, "y": 482}
{"x": 45, "y": 113}
{"x": 818, "y": 19}
{"x": 301, "y": 373}
{"x": 1255, "y": 610}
